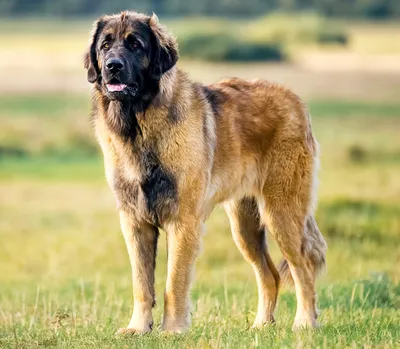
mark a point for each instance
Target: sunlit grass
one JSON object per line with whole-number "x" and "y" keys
{"x": 375, "y": 38}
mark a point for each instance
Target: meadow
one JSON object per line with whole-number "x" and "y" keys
{"x": 64, "y": 272}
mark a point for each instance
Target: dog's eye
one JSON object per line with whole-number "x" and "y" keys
{"x": 105, "y": 46}
{"x": 135, "y": 45}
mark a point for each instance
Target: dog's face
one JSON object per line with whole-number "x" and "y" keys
{"x": 127, "y": 52}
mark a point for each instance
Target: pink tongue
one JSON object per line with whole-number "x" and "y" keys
{"x": 115, "y": 87}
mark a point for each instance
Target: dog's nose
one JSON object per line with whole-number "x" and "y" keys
{"x": 114, "y": 64}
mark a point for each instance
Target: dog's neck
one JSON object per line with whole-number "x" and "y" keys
{"x": 126, "y": 117}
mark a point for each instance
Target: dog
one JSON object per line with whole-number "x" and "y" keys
{"x": 173, "y": 149}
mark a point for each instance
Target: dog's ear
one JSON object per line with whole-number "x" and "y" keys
{"x": 90, "y": 57}
{"x": 165, "y": 48}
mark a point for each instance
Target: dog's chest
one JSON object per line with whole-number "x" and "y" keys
{"x": 144, "y": 187}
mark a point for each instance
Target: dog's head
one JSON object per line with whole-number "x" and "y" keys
{"x": 127, "y": 52}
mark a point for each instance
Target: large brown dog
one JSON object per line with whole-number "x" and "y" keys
{"x": 173, "y": 149}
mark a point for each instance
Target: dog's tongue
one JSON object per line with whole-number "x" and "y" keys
{"x": 115, "y": 87}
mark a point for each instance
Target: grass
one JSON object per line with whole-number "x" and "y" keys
{"x": 64, "y": 273}
{"x": 269, "y": 38}
{"x": 375, "y": 37}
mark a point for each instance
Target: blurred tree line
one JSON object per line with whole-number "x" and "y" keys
{"x": 377, "y": 9}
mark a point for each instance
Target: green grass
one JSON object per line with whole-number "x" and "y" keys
{"x": 346, "y": 109}
{"x": 65, "y": 275}
{"x": 62, "y": 168}
{"x": 44, "y": 105}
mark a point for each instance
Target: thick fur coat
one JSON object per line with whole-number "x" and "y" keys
{"x": 173, "y": 149}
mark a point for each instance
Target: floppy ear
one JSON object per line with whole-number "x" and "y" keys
{"x": 90, "y": 57}
{"x": 165, "y": 51}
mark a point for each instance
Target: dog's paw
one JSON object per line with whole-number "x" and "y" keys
{"x": 175, "y": 327}
{"x": 173, "y": 331}
{"x": 126, "y": 331}
{"x": 304, "y": 323}
{"x": 264, "y": 321}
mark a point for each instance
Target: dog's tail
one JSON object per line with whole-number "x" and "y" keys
{"x": 314, "y": 249}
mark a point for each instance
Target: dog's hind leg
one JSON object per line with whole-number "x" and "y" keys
{"x": 288, "y": 196}
{"x": 250, "y": 239}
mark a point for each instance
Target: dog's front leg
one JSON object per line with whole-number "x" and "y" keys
{"x": 141, "y": 242}
{"x": 183, "y": 241}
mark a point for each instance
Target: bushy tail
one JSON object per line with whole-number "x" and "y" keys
{"x": 314, "y": 249}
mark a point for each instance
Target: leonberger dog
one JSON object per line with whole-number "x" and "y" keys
{"x": 173, "y": 149}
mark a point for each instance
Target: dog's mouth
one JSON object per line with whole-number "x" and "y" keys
{"x": 116, "y": 87}
{"x": 118, "y": 90}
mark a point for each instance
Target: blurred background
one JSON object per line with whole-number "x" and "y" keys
{"x": 64, "y": 272}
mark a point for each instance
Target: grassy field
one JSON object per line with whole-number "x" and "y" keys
{"x": 64, "y": 273}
